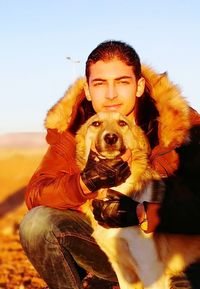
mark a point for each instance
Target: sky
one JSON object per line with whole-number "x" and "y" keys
{"x": 37, "y": 36}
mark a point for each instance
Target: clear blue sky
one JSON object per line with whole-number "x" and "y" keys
{"x": 37, "y": 36}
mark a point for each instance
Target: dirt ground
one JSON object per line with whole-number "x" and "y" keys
{"x": 16, "y": 168}
{"x": 16, "y": 272}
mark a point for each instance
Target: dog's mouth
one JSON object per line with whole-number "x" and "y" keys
{"x": 111, "y": 153}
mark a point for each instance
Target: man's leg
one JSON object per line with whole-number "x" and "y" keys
{"x": 58, "y": 244}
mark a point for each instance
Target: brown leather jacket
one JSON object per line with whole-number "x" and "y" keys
{"x": 163, "y": 114}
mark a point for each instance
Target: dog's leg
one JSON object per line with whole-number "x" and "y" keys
{"x": 143, "y": 250}
{"x": 119, "y": 256}
{"x": 125, "y": 268}
{"x": 133, "y": 283}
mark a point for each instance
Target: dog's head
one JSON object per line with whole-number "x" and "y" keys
{"x": 109, "y": 134}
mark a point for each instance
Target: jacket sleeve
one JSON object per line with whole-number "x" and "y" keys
{"x": 180, "y": 210}
{"x": 56, "y": 181}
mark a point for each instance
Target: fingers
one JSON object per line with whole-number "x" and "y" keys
{"x": 112, "y": 194}
{"x": 104, "y": 213}
{"x": 92, "y": 156}
{"x": 122, "y": 167}
{"x": 115, "y": 195}
{"x": 118, "y": 169}
{"x": 97, "y": 204}
{"x": 97, "y": 209}
{"x": 125, "y": 170}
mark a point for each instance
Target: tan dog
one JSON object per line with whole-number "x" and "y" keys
{"x": 140, "y": 260}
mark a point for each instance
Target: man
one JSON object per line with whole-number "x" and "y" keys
{"x": 55, "y": 235}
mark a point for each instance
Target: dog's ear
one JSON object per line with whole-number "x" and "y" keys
{"x": 81, "y": 146}
{"x": 140, "y": 138}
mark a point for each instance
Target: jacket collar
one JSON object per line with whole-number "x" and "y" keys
{"x": 173, "y": 120}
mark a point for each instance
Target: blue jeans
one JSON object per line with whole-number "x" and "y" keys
{"x": 60, "y": 247}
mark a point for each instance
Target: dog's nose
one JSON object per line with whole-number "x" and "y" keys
{"x": 111, "y": 138}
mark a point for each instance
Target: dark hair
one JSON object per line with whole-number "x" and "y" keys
{"x": 110, "y": 49}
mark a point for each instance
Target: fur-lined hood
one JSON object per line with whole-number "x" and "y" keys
{"x": 174, "y": 111}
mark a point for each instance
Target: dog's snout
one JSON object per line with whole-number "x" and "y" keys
{"x": 111, "y": 138}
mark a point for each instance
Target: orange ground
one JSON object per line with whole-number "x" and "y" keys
{"x": 16, "y": 168}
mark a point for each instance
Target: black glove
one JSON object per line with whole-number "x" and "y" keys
{"x": 104, "y": 173}
{"x": 116, "y": 211}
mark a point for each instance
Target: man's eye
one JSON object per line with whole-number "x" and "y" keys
{"x": 98, "y": 83}
{"x": 122, "y": 123}
{"x": 96, "y": 123}
{"x": 124, "y": 81}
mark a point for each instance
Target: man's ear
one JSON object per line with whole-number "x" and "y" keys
{"x": 140, "y": 87}
{"x": 87, "y": 92}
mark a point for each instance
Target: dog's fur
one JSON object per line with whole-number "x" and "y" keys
{"x": 140, "y": 260}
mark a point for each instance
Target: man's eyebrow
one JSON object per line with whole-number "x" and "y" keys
{"x": 98, "y": 79}
{"x": 123, "y": 77}
{"x": 118, "y": 78}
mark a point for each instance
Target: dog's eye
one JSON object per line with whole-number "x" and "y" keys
{"x": 96, "y": 123}
{"x": 122, "y": 123}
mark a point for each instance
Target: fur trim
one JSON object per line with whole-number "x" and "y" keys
{"x": 173, "y": 109}
{"x": 59, "y": 116}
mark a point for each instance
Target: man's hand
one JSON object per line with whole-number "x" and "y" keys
{"x": 104, "y": 173}
{"x": 117, "y": 210}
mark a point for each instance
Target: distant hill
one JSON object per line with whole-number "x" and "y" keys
{"x": 23, "y": 140}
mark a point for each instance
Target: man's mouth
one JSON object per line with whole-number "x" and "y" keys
{"x": 112, "y": 107}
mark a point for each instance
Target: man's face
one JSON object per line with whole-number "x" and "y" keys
{"x": 113, "y": 87}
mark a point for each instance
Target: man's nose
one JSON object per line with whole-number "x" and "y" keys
{"x": 111, "y": 92}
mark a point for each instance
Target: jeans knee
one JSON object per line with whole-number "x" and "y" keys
{"x": 44, "y": 228}
{"x": 35, "y": 228}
